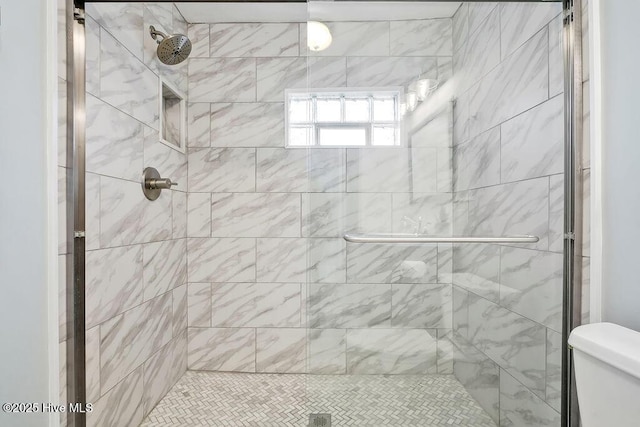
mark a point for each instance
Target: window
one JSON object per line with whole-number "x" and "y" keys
{"x": 343, "y": 118}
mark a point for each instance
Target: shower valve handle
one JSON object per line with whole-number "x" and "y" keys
{"x": 159, "y": 183}
{"x": 153, "y": 184}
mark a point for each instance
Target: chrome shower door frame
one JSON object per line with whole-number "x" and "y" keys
{"x": 76, "y": 141}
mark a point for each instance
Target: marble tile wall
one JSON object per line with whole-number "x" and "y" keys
{"x": 508, "y": 166}
{"x": 273, "y": 287}
{"x": 136, "y": 263}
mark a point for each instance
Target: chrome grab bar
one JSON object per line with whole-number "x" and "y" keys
{"x": 418, "y": 238}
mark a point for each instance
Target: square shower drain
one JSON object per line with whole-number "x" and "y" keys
{"x": 320, "y": 420}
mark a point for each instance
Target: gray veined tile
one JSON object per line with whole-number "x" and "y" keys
{"x": 460, "y": 307}
{"x": 515, "y": 343}
{"x": 281, "y": 350}
{"x": 477, "y": 162}
{"x": 254, "y": 39}
{"x": 391, "y": 351}
{"x": 554, "y": 369}
{"x": 168, "y": 161}
{"x": 247, "y": 125}
{"x": 179, "y": 214}
{"x": 199, "y": 215}
{"x": 586, "y": 211}
{"x": 222, "y": 169}
{"x": 445, "y": 68}
{"x": 115, "y": 141}
{"x": 436, "y": 132}
{"x": 349, "y": 305}
{"x": 221, "y": 260}
{"x": 520, "y": 21}
{"x": 199, "y": 36}
{"x": 180, "y": 310}
{"x": 424, "y": 37}
{"x": 327, "y": 353}
{"x": 92, "y": 363}
{"x": 531, "y": 285}
{"x": 128, "y": 340}
{"x": 520, "y": 407}
{"x": 352, "y": 39}
{"x": 222, "y": 349}
{"x": 275, "y": 75}
{"x": 126, "y": 82}
{"x": 460, "y": 31}
{"x": 517, "y": 84}
{"x": 114, "y": 282}
{"x": 157, "y": 378}
{"x": 281, "y": 170}
{"x": 445, "y": 351}
{"x": 379, "y": 263}
{"x": 421, "y": 306}
{"x": 476, "y": 268}
{"x": 199, "y": 125}
{"x": 234, "y": 79}
{"x": 62, "y": 122}
{"x": 445, "y": 263}
{"x": 281, "y": 260}
{"x": 433, "y": 213}
{"x": 327, "y": 72}
{"x": 124, "y": 21}
{"x": 327, "y": 170}
{"x": 92, "y": 211}
{"x": 199, "y": 304}
{"x": 62, "y": 211}
{"x": 461, "y": 219}
{"x": 327, "y": 260}
{"x": 532, "y": 143}
{"x": 165, "y": 266}
{"x": 255, "y": 215}
{"x": 255, "y": 305}
{"x": 478, "y": 12}
{"x": 515, "y": 208}
{"x": 122, "y": 405}
{"x": 389, "y": 71}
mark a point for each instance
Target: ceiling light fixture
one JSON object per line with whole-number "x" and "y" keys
{"x": 318, "y": 36}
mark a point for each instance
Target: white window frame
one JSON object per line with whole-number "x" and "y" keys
{"x": 344, "y": 94}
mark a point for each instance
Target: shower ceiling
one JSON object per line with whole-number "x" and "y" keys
{"x": 335, "y": 11}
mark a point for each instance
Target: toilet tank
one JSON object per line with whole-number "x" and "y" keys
{"x": 607, "y": 369}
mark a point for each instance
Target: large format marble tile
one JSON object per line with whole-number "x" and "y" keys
{"x": 389, "y": 71}
{"x": 327, "y": 260}
{"x": 515, "y": 343}
{"x": 128, "y": 340}
{"x": 349, "y": 305}
{"x": 519, "y": 407}
{"x": 445, "y": 351}
{"x": 334, "y": 214}
{"x": 114, "y": 282}
{"x": 199, "y": 214}
{"x": 423, "y": 37}
{"x": 531, "y": 285}
{"x": 257, "y": 305}
{"x": 532, "y": 143}
{"x": 281, "y": 170}
{"x": 92, "y": 363}
{"x": 199, "y": 304}
{"x": 327, "y": 351}
{"x": 275, "y": 75}
{"x": 199, "y": 124}
{"x": 326, "y": 72}
{"x": 124, "y": 21}
{"x": 520, "y": 21}
{"x": 226, "y": 349}
{"x": 254, "y": 39}
{"x": 281, "y": 350}
{"x": 327, "y": 170}
{"x": 553, "y": 394}
{"x": 180, "y": 310}
{"x": 380, "y": 263}
{"x": 477, "y": 162}
{"x": 556, "y": 56}
{"x": 433, "y": 130}
{"x": 247, "y": 125}
{"x": 168, "y": 161}
{"x": 460, "y": 24}
{"x": 517, "y": 84}
{"x": 476, "y": 268}
{"x": 92, "y": 211}
{"x": 445, "y": 263}
{"x": 367, "y": 38}
{"x": 115, "y": 141}
{"x": 92, "y": 59}
{"x": 281, "y": 260}
{"x": 126, "y": 82}
{"x": 222, "y": 80}
{"x": 122, "y": 405}
{"x": 516, "y": 208}
{"x": 479, "y": 375}
{"x": 164, "y": 266}
{"x": 433, "y": 213}
{"x": 391, "y": 351}
{"x": 199, "y": 36}
{"x": 421, "y": 306}
{"x": 255, "y": 215}
{"x": 222, "y": 169}
{"x": 478, "y": 12}
{"x": 222, "y": 260}
{"x": 179, "y": 214}
{"x": 157, "y": 376}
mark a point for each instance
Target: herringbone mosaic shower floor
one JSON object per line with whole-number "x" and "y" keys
{"x": 271, "y": 400}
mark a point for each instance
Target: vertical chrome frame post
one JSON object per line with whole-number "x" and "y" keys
{"x": 572, "y": 277}
{"x": 76, "y": 112}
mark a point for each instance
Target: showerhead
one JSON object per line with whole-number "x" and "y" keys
{"x": 172, "y": 49}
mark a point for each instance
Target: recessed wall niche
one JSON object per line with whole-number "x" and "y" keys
{"x": 173, "y": 116}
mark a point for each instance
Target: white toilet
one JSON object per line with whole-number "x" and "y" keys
{"x": 607, "y": 367}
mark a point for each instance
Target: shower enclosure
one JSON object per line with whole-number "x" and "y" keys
{"x": 375, "y": 201}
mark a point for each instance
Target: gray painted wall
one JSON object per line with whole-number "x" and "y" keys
{"x": 24, "y": 370}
